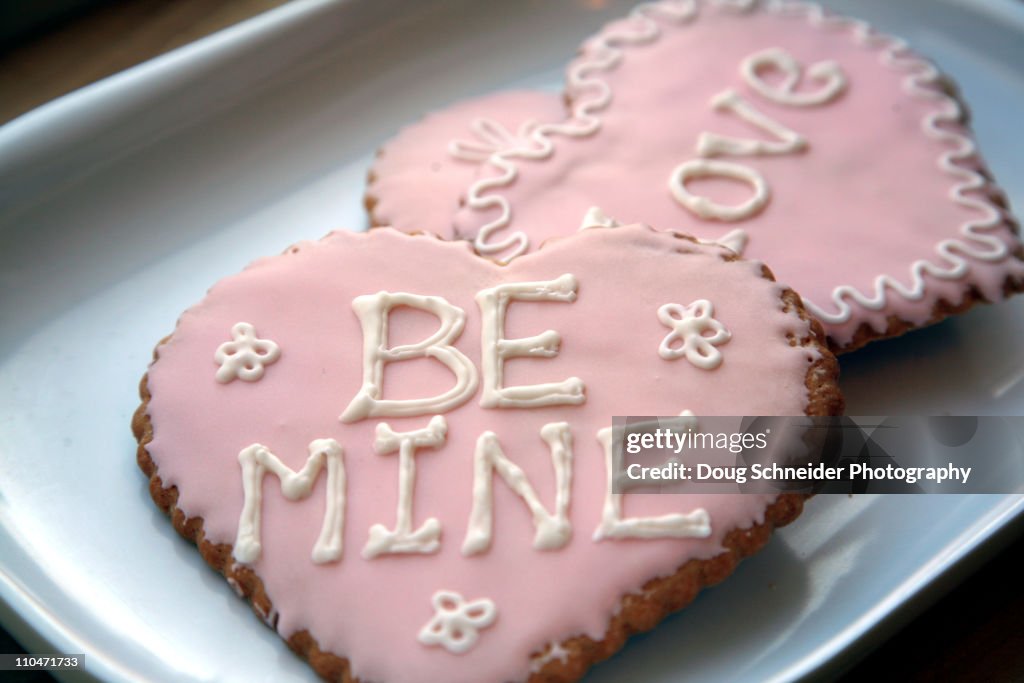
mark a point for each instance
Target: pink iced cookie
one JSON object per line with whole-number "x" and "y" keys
{"x": 305, "y": 399}
{"x": 420, "y": 176}
{"x": 841, "y": 154}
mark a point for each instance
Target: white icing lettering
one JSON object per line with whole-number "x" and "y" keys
{"x": 496, "y": 349}
{"x": 788, "y": 141}
{"x": 689, "y": 337}
{"x": 695, "y": 524}
{"x": 402, "y": 539}
{"x": 373, "y": 311}
{"x": 552, "y": 531}
{"x": 245, "y": 356}
{"x": 456, "y": 623}
{"x": 704, "y": 207}
{"x": 256, "y": 460}
{"x": 713, "y": 144}
{"x": 828, "y": 73}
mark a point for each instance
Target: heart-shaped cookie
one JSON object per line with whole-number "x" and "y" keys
{"x": 844, "y": 157}
{"x": 398, "y": 450}
{"x": 419, "y": 178}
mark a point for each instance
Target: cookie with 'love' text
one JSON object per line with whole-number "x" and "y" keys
{"x": 400, "y": 452}
{"x": 832, "y": 152}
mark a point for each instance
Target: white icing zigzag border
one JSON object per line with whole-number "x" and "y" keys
{"x": 583, "y": 122}
{"x": 607, "y": 50}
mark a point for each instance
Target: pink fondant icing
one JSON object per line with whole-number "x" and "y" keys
{"x": 372, "y": 610}
{"x": 418, "y": 183}
{"x": 871, "y": 196}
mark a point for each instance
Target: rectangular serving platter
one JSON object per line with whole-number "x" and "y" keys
{"x": 121, "y": 203}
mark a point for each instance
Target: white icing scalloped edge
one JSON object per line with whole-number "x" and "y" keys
{"x": 607, "y": 50}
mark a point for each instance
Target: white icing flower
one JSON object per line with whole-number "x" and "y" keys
{"x": 689, "y": 337}
{"x": 456, "y": 623}
{"x": 245, "y": 356}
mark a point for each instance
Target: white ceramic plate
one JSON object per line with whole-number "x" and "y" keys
{"x": 121, "y": 203}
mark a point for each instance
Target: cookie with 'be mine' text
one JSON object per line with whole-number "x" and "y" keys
{"x": 400, "y": 452}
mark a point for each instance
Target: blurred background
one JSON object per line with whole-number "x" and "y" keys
{"x": 51, "y": 47}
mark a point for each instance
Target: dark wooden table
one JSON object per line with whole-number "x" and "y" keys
{"x": 975, "y": 633}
